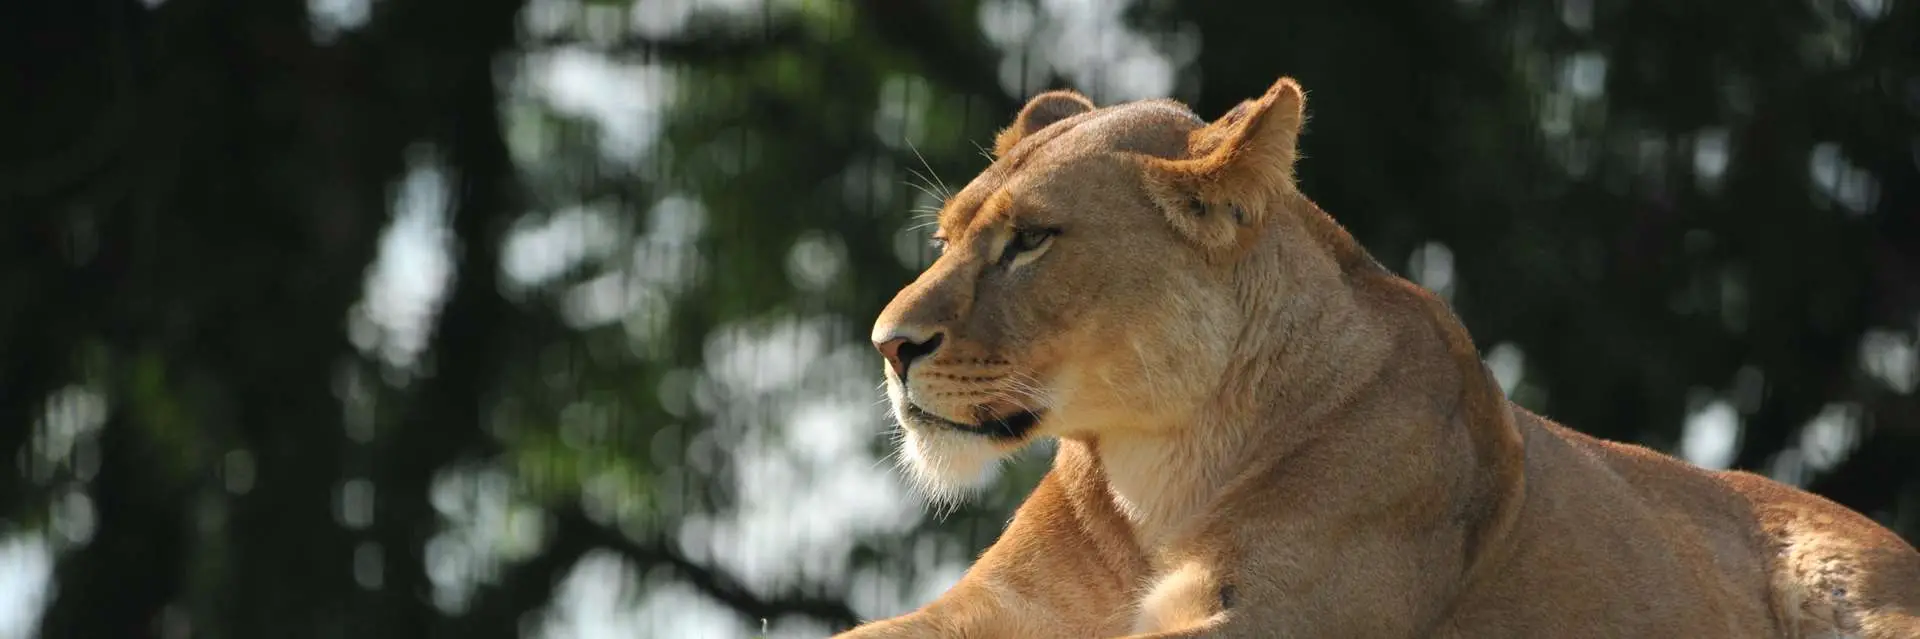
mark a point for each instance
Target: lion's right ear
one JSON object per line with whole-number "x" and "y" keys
{"x": 1044, "y": 109}
{"x": 1236, "y": 169}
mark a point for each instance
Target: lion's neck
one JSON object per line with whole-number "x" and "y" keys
{"x": 1274, "y": 396}
{"x": 1161, "y": 481}
{"x": 1298, "y": 361}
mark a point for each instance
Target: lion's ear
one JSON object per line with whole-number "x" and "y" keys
{"x": 1044, "y": 109}
{"x": 1236, "y": 169}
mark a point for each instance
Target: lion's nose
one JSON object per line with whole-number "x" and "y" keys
{"x": 900, "y": 351}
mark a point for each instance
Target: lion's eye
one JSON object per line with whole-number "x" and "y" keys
{"x": 1030, "y": 239}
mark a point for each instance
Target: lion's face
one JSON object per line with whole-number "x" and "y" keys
{"x": 1063, "y": 301}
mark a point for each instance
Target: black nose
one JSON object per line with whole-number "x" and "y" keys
{"x": 900, "y": 352}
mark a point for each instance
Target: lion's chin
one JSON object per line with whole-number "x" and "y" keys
{"x": 947, "y": 466}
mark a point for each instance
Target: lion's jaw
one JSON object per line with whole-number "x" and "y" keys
{"x": 1152, "y": 380}
{"x": 945, "y": 464}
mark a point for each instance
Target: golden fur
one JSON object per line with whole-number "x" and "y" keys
{"x": 1264, "y": 433}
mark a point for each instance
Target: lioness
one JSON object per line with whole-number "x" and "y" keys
{"x": 1263, "y": 432}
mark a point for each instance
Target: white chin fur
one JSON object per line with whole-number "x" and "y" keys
{"x": 947, "y": 466}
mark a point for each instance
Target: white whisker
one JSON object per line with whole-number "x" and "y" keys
{"x": 983, "y": 151}
{"x": 930, "y": 171}
{"x": 927, "y": 190}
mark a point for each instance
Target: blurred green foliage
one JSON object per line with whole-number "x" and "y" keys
{"x": 407, "y": 317}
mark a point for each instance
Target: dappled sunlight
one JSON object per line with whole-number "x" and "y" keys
{"x": 333, "y": 17}
{"x": 1892, "y": 358}
{"x": 538, "y": 251}
{"x": 409, "y": 277}
{"x": 1431, "y": 266}
{"x": 624, "y": 100}
{"x": 26, "y": 571}
{"x": 1508, "y": 364}
{"x": 1711, "y": 434}
{"x": 1830, "y": 437}
{"x": 487, "y": 524}
{"x": 66, "y": 437}
{"x": 551, "y": 318}
{"x": 1088, "y": 43}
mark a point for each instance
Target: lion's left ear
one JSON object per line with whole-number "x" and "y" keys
{"x": 1236, "y": 169}
{"x": 1044, "y": 109}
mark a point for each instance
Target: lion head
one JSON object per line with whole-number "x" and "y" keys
{"x": 1091, "y": 280}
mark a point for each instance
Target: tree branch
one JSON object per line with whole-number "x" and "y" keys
{"x": 496, "y": 611}
{"x": 709, "y": 580}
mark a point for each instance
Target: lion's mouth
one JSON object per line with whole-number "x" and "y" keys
{"x": 1011, "y": 426}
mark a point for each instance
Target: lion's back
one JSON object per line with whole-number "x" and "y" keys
{"x": 1626, "y": 544}
{"x": 1829, "y": 571}
{"x": 1834, "y": 571}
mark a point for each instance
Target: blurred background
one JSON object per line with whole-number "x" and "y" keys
{"x": 547, "y": 318}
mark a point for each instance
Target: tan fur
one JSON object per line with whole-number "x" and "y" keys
{"x": 1264, "y": 433}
